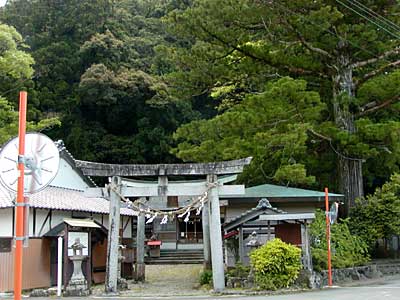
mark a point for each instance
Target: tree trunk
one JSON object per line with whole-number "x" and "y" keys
{"x": 349, "y": 169}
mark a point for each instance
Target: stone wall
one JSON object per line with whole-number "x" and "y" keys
{"x": 315, "y": 280}
{"x": 372, "y": 271}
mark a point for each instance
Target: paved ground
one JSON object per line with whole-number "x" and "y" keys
{"x": 386, "y": 291}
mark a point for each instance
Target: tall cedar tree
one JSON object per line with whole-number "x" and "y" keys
{"x": 237, "y": 46}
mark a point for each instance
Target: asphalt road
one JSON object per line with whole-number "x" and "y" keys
{"x": 386, "y": 291}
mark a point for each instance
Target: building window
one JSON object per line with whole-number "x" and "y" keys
{"x": 5, "y": 244}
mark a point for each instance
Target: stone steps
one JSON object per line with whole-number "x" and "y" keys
{"x": 177, "y": 257}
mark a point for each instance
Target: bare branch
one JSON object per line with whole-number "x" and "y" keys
{"x": 321, "y": 136}
{"x": 376, "y": 72}
{"x": 374, "y": 106}
{"x": 306, "y": 44}
{"x": 224, "y": 56}
{"x": 376, "y": 59}
{"x": 310, "y": 47}
{"x": 267, "y": 30}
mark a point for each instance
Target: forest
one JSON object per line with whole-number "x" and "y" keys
{"x": 310, "y": 89}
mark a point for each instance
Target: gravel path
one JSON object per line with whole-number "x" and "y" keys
{"x": 166, "y": 280}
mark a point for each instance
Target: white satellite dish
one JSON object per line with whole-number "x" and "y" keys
{"x": 41, "y": 163}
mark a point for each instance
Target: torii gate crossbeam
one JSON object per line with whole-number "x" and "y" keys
{"x": 215, "y": 168}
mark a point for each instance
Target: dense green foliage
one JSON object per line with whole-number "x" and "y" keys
{"x": 276, "y": 264}
{"x": 378, "y": 216}
{"x": 96, "y": 69}
{"x": 309, "y": 88}
{"x": 15, "y": 71}
{"x": 270, "y": 126}
{"x": 348, "y": 250}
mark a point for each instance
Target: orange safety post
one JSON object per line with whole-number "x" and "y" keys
{"x": 20, "y": 197}
{"x": 328, "y": 236}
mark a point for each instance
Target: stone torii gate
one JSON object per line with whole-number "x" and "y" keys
{"x": 211, "y": 212}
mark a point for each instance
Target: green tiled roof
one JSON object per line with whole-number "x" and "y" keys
{"x": 278, "y": 191}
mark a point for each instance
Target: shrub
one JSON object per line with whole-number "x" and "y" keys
{"x": 348, "y": 250}
{"x": 239, "y": 271}
{"x": 377, "y": 216}
{"x": 276, "y": 264}
{"x": 205, "y": 277}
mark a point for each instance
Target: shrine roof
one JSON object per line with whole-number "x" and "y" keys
{"x": 265, "y": 211}
{"x": 278, "y": 191}
{"x": 58, "y": 198}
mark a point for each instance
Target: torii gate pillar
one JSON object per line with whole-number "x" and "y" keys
{"x": 216, "y": 237}
{"x": 140, "y": 237}
{"x": 111, "y": 284}
{"x": 205, "y": 219}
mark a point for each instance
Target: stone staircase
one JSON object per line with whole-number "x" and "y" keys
{"x": 173, "y": 257}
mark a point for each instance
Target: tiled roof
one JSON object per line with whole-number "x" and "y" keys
{"x": 6, "y": 198}
{"x": 63, "y": 199}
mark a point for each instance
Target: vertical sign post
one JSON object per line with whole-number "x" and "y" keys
{"x": 59, "y": 264}
{"x": 328, "y": 236}
{"x": 20, "y": 197}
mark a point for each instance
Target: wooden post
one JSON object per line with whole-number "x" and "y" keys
{"x": 216, "y": 236}
{"x": 305, "y": 240}
{"x": 205, "y": 219}
{"x": 66, "y": 259}
{"x": 307, "y": 236}
{"x": 111, "y": 284}
{"x": 88, "y": 261}
{"x": 140, "y": 237}
{"x": 241, "y": 246}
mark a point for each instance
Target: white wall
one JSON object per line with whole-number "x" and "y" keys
{"x": 68, "y": 178}
{"x": 97, "y": 218}
{"x": 56, "y": 218}
{"x": 6, "y": 222}
{"x": 128, "y": 230}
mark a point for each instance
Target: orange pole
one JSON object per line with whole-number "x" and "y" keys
{"x": 20, "y": 197}
{"x": 328, "y": 236}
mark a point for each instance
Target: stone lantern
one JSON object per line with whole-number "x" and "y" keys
{"x": 77, "y": 285}
{"x": 253, "y": 243}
